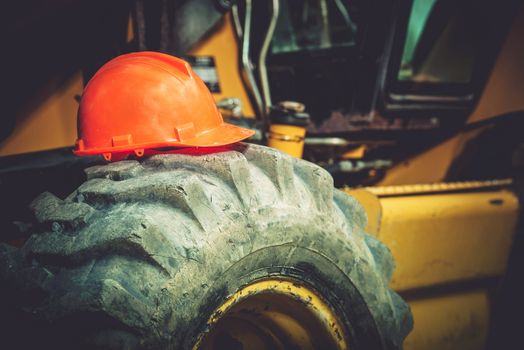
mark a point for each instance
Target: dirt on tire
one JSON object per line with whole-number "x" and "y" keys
{"x": 139, "y": 255}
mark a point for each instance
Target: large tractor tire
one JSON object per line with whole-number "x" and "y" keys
{"x": 246, "y": 248}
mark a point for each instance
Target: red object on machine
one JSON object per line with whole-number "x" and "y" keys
{"x": 148, "y": 100}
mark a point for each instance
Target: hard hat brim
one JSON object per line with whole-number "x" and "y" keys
{"x": 223, "y": 135}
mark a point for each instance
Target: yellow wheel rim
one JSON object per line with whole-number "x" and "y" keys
{"x": 273, "y": 314}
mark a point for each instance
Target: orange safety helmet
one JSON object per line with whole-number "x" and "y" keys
{"x": 147, "y": 100}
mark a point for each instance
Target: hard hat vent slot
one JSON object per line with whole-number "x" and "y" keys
{"x": 185, "y": 131}
{"x": 122, "y": 140}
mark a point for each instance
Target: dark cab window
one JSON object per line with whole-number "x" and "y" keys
{"x": 442, "y": 51}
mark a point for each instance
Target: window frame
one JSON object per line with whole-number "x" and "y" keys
{"x": 397, "y": 96}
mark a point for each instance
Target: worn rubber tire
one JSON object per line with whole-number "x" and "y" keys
{"x": 140, "y": 255}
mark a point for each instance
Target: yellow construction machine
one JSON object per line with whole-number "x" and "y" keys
{"x": 412, "y": 109}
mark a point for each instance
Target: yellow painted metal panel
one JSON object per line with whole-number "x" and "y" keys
{"x": 505, "y": 86}
{"x": 50, "y": 122}
{"x": 429, "y": 166}
{"x": 357, "y": 153}
{"x": 222, "y": 45}
{"x": 372, "y": 206}
{"x": 443, "y": 238}
{"x": 502, "y": 93}
{"x": 450, "y": 322}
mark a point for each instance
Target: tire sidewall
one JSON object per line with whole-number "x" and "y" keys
{"x": 306, "y": 259}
